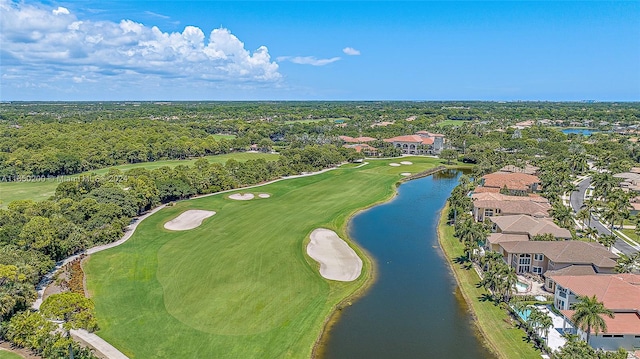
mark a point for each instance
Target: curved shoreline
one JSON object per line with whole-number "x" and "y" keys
{"x": 371, "y": 274}
{"x": 480, "y": 331}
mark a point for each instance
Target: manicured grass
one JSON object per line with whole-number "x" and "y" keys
{"x": 241, "y": 284}
{"x": 631, "y": 234}
{"x": 39, "y": 190}
{"x": 495, "y": 325}
{"x": 5, "y": 354}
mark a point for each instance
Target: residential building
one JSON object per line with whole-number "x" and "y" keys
{"x": 527, "y": 225}
{"x": 363, "y": 148}
{"x": 540, "y": 257}
{"x": 510, "y": 205}
{"x": 527, "y": 169}
{"x": 619, "y": 293}
{"x": 517, "y": 184}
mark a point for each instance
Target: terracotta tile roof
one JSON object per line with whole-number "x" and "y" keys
{"x": 575, "y": 252}
{"x": 495, "y": 238}
{"x": 486, "y": 190}
{"x": 528, "y": 169}
{"x": 361, "y": 146}
{"x": 407, "y": 138}
{"x": 523, "y": 224}
{"x": 430, "y": 134}
{"x": 515, "y": 181}
{"x": 535, "y": 209}
{"x": 572, "y": 270}
{"x": 503, "y": 197}
{"x": 622, "y": 323}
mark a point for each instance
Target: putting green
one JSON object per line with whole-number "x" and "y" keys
{"x": 240, "y": 285}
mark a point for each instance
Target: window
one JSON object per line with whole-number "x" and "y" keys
{"x": 488, "y": 212}
{"x": 538, "y": 257}
{"x": 537, "y": 270}
{"x": 606, "y": 335}
{"x": 525, "y": 259}
{"x": 618, "y": 336}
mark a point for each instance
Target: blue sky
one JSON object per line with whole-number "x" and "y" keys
{"x": 356, "y": 50}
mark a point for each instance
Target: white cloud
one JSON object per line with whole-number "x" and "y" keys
{"x": 45, "y": 44}
{"x": 61, "y": 11}
{"x": 351, "y": 51}
{"x": 308, "y": 60}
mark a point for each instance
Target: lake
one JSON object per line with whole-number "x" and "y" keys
{"x": 414, "y": 309}
{"x": 579, "y": 131}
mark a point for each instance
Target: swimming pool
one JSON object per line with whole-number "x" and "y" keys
{"x": 521, "y": 287}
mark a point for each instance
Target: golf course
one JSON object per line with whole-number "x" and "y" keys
{"x": 239, "y": 285}
{"x": 40, "y": 189}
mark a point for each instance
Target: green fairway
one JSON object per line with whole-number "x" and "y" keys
{"x": 39, "y": 190}
{"x": 241, "y": 284}
{"x": 5, "y": 354}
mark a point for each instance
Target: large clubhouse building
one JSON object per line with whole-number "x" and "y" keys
{"x": 422, "y": 143}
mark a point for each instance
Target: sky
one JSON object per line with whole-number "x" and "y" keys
{"x": 105, "y": 50}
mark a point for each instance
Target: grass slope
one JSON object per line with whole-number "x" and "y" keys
{"x": 241, "y": 284}
{"x": 40, "y": 190}
{"x": 502, "y": 337}
{"x": 5, "y": 354}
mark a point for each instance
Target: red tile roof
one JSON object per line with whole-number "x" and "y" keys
{"x": 514, "y": 181}
{"x": 622, "y": 323}
{"x": 411, "y": 139}
{"x": 615, "y": 291}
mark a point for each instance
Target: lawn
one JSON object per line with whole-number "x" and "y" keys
{"x": 502, "y": 337}
{"x": 241, "y": 284}
{"x": 5, "y": 354}
{"x": 40, "y": 190}
{"x": 631, "y": 234}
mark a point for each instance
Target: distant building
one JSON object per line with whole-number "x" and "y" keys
{"x": 363, "y": 148}
{"x": 422, "y": 143}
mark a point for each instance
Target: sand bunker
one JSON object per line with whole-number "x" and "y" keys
{"x": 241, "y": 196}
{"x": 406, "y": 174}
{"x": 337, "y": 260}
{"x": 264, "y": 195}
{"x": 394, "y": 164}
{"x": 188, "y": 220}
{"x": 406, "y": 163}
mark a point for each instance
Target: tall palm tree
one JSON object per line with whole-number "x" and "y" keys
{"x": 608, "y": 240}
{"x": 591, "y": 233}
{"x": 583, "y": 215}
{"x": 591, "y": 205}
{"x": 628, "y": 263}
{"x": 588, "y": 315}
{"x": 562, "y": 215}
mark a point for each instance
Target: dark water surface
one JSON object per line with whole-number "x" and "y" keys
{"x": 412, "y": 310}
{"x": 579, "y": 131}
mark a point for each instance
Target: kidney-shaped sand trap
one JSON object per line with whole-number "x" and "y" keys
{"x": 406, "y": 174}
{"x": 393, "y": 164}
{"x": 406, "y": 162}
{"x": 264, "y": 195}
{"x": 241, "y": 196}
{"x": 337, "y": 260}
{"x": 188, "y": 220}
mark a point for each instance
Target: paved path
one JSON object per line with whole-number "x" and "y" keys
{"x": 99, "y": 344}
{"x": 577, "y": 200}
{"x": 92, "y": 339}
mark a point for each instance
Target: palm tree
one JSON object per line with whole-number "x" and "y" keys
{"x": 591, "y": 205}
{"x": 562, "y": 215}
{"x": 608, "y": 240}
{"x": 587, "y": 316}
{"x": 591, "y": 233}
{"x": 583, "y": 215}
{"x": 628, "y": 263}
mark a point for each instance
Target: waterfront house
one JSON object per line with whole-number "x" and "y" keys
{"x": 510, "y": 205}
{"x": 619, "y": 293}
{"x": 517, "y": 184}
{"x": 540, "y": 257}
